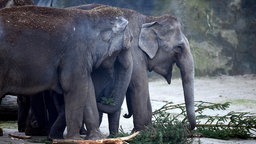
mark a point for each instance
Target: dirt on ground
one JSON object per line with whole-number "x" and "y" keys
{"x": 240, "y": 91}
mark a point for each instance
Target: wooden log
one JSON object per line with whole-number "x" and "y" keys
{"x": 119, "y": 140}
{"x": 20, "y": 136}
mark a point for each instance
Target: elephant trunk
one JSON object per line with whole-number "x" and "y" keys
{"x": 118, "y": 101}
{"x": 122, "y": 74}
{"x": 186, "y": 65}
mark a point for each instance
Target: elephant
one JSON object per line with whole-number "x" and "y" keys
{"x": 105, "y": 86}
{"x": 35, "y": 117}
{"x": 23, "y": 102}
{"x": 29, "y": 113}
{"x": 43, "y": 112}
{"x": 104, "y": 81}
{"x": 57, "y": 49}
{"x": 158, "y": 43}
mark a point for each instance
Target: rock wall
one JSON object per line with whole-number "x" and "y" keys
{"x": 222, "y": 33}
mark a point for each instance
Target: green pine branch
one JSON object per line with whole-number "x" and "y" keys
{"x": 170, "y": 127}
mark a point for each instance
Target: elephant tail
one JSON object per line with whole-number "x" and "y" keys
{"x": 129, "y": 115}
{"x": 129, "y": 105}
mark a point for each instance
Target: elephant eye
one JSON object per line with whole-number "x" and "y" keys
{"x": 178, "y": 49}
{"x": 172, "y": 30}
{"x": 162, "y": 44}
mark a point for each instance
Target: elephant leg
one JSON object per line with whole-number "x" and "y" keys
{"x": 91, "y": 115}
{"x": 23, "y": 111}
{"x": 113, "y": 122}
{"x": 59, "y": 125}
{"x": 73, "y": 114}
{"x": 38, "y": 115}
{"x": 142, "y": 112}
{"x": 80, "y": 104}
{"x": 51, "y": 108}
{"x": 138, "y": 93}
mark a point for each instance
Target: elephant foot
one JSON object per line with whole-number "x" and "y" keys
{"x": 55, "y": 136}
{"x": 112, "y": 133}
{"x": 150, "y": 129}
{"x": 74, "y": 137}
{"x": 94, "y": 135}
{"x": 141, "y": 127}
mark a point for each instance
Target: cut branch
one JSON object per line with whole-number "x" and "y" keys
{"x": 120, "y": 140}
{"x": 19, "y": 136}
{"x": 219, "y": 125}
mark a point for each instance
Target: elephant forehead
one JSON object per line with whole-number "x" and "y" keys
{"x": 171, "y": 25}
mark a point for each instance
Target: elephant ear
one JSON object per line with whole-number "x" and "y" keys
{"x": 148, "y": 39}
{"x": 117, "y": 29}
{"x": 119, "y": 25}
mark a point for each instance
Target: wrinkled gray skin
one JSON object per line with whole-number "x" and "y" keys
{"x": 158, "y": 43}
{"x": 58, "y": 56}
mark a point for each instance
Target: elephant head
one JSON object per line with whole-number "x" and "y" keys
{"x": 113, "y": 42}
{"x": 117, "y": 66}
{"x": 165, "y": 45}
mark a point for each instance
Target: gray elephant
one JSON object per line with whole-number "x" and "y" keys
{"x": 33, "y": 118}
{"x": 158, "y": 43}
{"x": 57, "y": 49}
